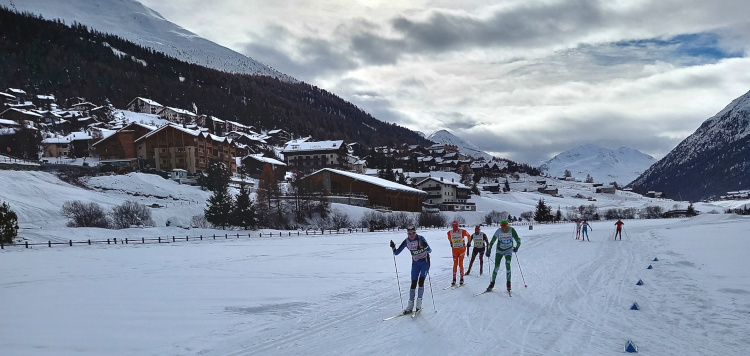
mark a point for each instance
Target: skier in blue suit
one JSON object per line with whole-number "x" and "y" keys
{"x": 420, "y": 265}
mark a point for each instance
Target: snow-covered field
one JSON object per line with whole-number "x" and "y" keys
{"x": 328, "y": 294}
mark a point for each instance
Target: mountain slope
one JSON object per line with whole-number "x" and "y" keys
{"x": 139, "y": 24}
{"x": 713, "y": 160}
{"x": 604, "y": 165}
{"x": 465, "y": 147}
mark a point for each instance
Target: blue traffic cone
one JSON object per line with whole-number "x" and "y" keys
{"x": 640, "y": 283}
{"x": 635, "y": 306}
{"x": 649, "y": 267}
{"x": 656, "y": 259}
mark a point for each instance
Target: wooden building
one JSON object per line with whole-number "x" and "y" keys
{"x": 121, "y": 144}
{"x": 380, "y": 192}
{"x": 172, "y": 146}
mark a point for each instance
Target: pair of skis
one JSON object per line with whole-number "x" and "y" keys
{"x": 454, "y": 286}
{"x": 486, "y": 291}
{"x": 413, "y": 314}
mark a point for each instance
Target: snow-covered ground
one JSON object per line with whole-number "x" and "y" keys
{"x": 328, "y": 294}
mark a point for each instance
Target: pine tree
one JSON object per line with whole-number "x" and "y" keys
{"x": 219, "y": 209}
{"x": 543, "y": 212}
{"x": 691, "y": 210}
{"x": 243, "y": 212}
{"x": 8, "y": 224}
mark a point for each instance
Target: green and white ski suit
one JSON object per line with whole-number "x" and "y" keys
{"x": 504, "y": 249}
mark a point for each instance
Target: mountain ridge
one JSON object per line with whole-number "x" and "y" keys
{"x": 602, "y": 164}
{"x": 137, "y": 23}
{"x": 465, "y": 147}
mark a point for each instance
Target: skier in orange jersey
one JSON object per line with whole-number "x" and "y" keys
{"x": 458, "y": 238}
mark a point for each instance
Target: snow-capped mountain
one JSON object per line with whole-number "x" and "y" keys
{"x": 465, "y": 147}
{"x": 604, "y": 165}
{"x": 139, "y": 24}
{"x": 712, "y": 161}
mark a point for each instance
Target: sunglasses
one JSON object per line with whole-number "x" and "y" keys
{"x": 412, "y": 232}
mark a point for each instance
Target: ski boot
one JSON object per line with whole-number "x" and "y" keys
{"x": 410, "y": 306}
{"x": 462, "y": 281}
{"x": 492, "y": 285}
{"x": 419, "y": 304}
{"x": 453, "y": 284}
{"x": 467, "y": 272}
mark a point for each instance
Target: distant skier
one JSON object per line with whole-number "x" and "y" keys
{"x": 504, "y": 237}
{"x": 619, "y": 224}
{"x": 420, "y": 265}
{"x": 480, "y": 242}
{"x": 584, "y": 230}
{"x": 578, "y": 229}
{"x": 458, "y": 238}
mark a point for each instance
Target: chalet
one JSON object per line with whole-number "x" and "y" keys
{"x": 277, "y": 136}
{"x": 446, "y": 195}
{"x": 310, "y": 156}
{"x": 255, "y": 163}
{"x": 77, "y": 144}
{"x": 45, "y": 101}
{"x": 121, "y": 144}
{"x": 172, "y": 146}
{"x": 143, "y": 105}
{"x": 548, "y": 189}
{"x": 19, "y": 95}
{"x": 254, "y": 142}
{"x": 237, "y": 127}
{"x": 345, "y": 187}
{"x": 20, "y": 116}
{"x": 654, "y": 194}
{"x": 178, "y": 116}
{"x": 606, "y": 190}
{"x": 48, "y": 117}
{"x": 83, "y": 107}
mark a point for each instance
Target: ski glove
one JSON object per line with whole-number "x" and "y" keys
{"x": 393, "y": 245}
{"x": 515, "y": 249}
{"x": 487, "y": 253}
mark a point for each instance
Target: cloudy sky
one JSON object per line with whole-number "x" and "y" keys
{"x": 520, "y": 79}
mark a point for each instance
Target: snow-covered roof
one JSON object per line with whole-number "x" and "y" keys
{"x": 313, "y": 146}
{"x": 148, "y": 101}
{"x": 25, "y": 112}
{"x": 456, "y": 184}
{"x": 16, "y": 91}
{"x": 8, "y": 122}
{"x": 46, "y": 97}
{"x": 180, "y": 111}
{"x": 9, "y": 96}
{"x": 259, "y": 157}
{"x": 388, "y": 185}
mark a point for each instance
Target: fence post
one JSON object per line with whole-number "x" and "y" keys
{"x": 49, "y": 243}
{"x": 27, "y": 244}
{"x": 143, "y": 240}
{"x": 226, "y": 236}
{"x": 238, "y": 236}
{"x": 186, "y": 238}
{"x": 126, "y": 240}
{"x": 115, "y": 240}
{"x": 107, "y": 241}
{"x": 201, "y": 237}
{"x": 279, "y": 233}
{"x": 70, "y": 242}
{"x": 173, "y": 239}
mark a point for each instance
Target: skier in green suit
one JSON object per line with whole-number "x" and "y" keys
{"x": 504, "y": 237}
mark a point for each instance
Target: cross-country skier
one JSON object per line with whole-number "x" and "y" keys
{"x": 578, "y": 229}
{"x": 420, "y": 265}
{"x": 480, "y": 241}
{"x": 619, "y": 224}
{"x": 584, "y": 230}
{"x": 504, "y": 237}
{"x": 458, "y": 238}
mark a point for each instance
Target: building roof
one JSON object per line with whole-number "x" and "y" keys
{"x": 388, "y": 185}
{"x": 313, "y": 146}
{"x": 259, "y": 157}
{"x": 147, "y": 101}
{"x": 456, "y": 184}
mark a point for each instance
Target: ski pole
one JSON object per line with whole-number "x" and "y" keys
{"x": 432, "y": 295}
{"x": 519, "y": 268}
{"x": 398, "y": 282}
